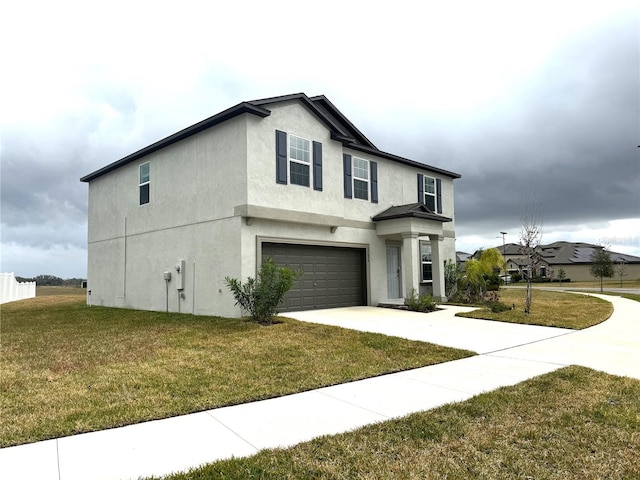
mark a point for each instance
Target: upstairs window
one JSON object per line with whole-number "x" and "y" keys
{"x": 299, "y": 160}
{"x": 144, "y": 183}
{"x": 360, "y": 178}
{"x": 296, "y": 157}
{"x": 425, "y": 262}
{"x": 430, "y": 192}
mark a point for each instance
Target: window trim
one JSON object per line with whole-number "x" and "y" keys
{"x": 354, "y": 177}
{"x": 422, "y": 263}
{"x": 290, "y": 159}
{"x": 146, "y": 183}
{"x": 434, "y": 195}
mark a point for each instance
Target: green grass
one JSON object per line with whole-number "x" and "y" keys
{"x": 47, "y": 291}
{"x": 551, "y": 309}
{"x": 68, "y": 368}
{"x": 574, "y": 423}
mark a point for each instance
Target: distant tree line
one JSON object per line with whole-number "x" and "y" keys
{"x": 52, "y": 281}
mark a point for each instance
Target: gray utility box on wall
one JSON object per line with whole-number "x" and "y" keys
{"x": 180, "y": 274}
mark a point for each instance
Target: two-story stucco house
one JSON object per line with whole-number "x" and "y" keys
{"x": 287, "y": 177}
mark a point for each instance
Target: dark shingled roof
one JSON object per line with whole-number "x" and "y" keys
{"x": 341, "y": 129}
{"x": 415, "y": 210}
{"x": 569, "y": 253}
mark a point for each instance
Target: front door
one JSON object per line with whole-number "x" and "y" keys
{"x": 393, "y": 272}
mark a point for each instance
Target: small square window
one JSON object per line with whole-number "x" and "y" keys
{"x": 144, "y": 194}
{"x": 360, "y": 189}
{"x": 299, "y": 174}
{"x": 299, "y": 149}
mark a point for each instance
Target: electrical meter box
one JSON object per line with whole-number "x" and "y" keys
{"x": 180, "y": 274}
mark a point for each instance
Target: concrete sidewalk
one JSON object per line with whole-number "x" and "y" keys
{"x": 510, "y": 354}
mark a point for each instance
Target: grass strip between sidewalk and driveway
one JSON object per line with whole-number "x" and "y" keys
{"x": 67, "y": 368}
{"x": 550, "y": 309}
{"x": 574, "y": 423}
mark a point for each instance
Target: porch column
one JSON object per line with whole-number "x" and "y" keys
{"x": 410, "y": 263}
{"x": 437, "y": 260}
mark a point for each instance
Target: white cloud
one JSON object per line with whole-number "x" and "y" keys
{"x": 64, "y": 261}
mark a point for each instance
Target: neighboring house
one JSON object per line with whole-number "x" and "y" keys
{"x": 461, "y": 259}
{"x": 572, "y": 257}
{"x": 287, "y": 177}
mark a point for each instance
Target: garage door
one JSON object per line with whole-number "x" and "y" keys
{"x": 332, "y": 276}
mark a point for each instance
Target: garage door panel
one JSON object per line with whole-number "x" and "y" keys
{"x": 332, "y": 276}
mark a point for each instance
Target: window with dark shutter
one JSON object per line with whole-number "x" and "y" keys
{"x": 374, "y": 181}
{"x": 317, "y": 166}
{"x": 281, "y": 157}
{"x": 360, "y": 178}
{"x": 430, "y": 192}
{"x": 346, "y": 161}
{"x": 299, "y": 160}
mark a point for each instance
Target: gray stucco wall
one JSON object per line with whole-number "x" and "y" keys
{"x": 198, "y": 213}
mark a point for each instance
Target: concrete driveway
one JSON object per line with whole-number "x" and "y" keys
{"x": 441, "y": 327}
{"x": 613, "y": 346}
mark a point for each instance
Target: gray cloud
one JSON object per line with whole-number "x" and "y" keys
{"x": 568, "y": 131}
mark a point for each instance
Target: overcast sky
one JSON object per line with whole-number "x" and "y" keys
{"x": 521, "y": 98}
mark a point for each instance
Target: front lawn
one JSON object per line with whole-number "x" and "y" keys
{"x": 551, "y": 309}
{"x": 68, "y": 368}
{"x": 571, "y": 424}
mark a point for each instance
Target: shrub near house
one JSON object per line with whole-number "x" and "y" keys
{"x": 262, "y": 296}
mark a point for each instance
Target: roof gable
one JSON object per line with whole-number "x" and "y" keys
{"x": 341, "y": 129}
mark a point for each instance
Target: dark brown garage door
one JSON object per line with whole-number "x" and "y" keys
{"x": 332, "y": 276}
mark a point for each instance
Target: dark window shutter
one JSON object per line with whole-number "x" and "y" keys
{"x": 348, "y": 185}
{"x": 281, "y": 157}
{"x": 374, "y": 181}
{"x": 420, "y": 188}
{"x": 317, "y": 166}
{"x": 439, "y": 195}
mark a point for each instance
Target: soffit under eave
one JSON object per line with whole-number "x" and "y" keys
{"x": 409, "y": 225}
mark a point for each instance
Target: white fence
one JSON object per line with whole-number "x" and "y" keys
{"x": 11, "y": 290}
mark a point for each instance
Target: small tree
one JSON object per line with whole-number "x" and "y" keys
{"x": 478, "y": 273}
{"x": 601, "y": 264}
{"x": 530, "y": 240}
{"x": 451, "y": 275}
{"x": 561, "y": 275}
{"x": 621, "y": 270}
{"x": 261, "y": 297}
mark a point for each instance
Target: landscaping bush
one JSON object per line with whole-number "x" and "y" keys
{"x": 452, "y": 273}
{"x": 492, "y": 300}
{"x": 423, "y": 303}
{"x": 261, "y": 297}
{"x": 516, "y": 277}
{"x": 498, "y": 307}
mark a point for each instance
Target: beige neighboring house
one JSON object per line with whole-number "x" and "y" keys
{"x": 572, "y": 257}
{"x": 287, "y": 177}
